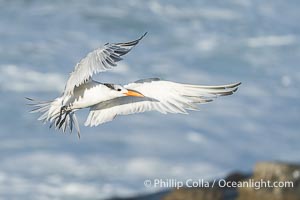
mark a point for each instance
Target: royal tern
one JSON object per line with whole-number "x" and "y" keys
{"x": 106, "y": 100}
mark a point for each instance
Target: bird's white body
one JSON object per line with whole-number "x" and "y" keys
{"x": 87, "y": 95}
{"x": 106, "y": 101}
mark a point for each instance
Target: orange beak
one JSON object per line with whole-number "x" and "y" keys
{"x": 134, "y": 93}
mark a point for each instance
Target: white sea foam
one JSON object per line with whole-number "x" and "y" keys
{"x": 21, "y": 79}
{"x": 196, "y": 138}
{"x": 212, "y": 13}
{"x": 207, "y": 44}
{"x": 271, "y": 40}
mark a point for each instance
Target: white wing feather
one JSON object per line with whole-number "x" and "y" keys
{"x": 162, "y": 96}
{"x": 99, "y": 60}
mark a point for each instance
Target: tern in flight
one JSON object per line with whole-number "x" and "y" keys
{"x": 107, "y": 100}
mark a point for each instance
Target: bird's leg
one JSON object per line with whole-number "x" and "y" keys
{"x": 63, "y": 109}
{"x": 64, "y": 119}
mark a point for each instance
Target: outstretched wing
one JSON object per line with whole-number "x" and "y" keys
{"x": 99, "y": 60}
{"x": 162, "y": 96}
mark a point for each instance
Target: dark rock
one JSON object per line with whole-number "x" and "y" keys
{"x": 155, "y": 196}
{"x": 209, "y": 193}
{"x": 258, "y": 186}
{"x": 273, "y": 172}
{"x": 237, "y": 176}
{"x": 195, "y": 194}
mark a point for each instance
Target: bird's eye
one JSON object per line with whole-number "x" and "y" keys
{"x": 119, "y": 89}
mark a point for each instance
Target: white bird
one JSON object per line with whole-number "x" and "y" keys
{"x": 106, "y": 101}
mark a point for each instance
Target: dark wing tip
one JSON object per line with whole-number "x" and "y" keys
{"x": 132, "y": 43}
{"x": 234, "y": 85}
{"x": 29, "y": 99}
{"x": 30, "y": 103}
{"x": 143, "y": 35}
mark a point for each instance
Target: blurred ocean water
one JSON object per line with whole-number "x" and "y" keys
{"x": 201, "y": 42}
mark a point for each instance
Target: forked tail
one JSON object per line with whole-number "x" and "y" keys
{"x": 56, "y": 114}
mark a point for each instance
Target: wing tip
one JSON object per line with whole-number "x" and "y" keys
{"x": 233, "y": 85}
{"x": 143, "y": 35}
{"x": 29, "y": 99}
{"x": 134, "y": 42}
{"x": 238, "y": 84}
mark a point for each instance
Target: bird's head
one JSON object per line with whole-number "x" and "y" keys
{"x": 120, "y": 91}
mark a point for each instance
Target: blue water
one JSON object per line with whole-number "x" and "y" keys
{"x": 201, "y": 42}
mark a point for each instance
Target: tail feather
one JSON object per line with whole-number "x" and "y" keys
{"x": 54, "y": 113}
